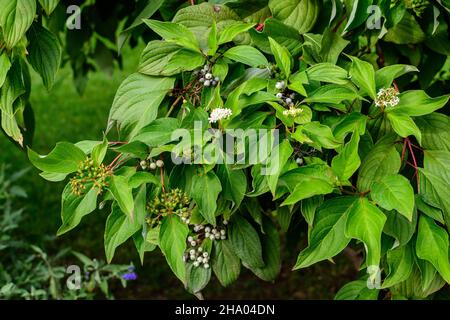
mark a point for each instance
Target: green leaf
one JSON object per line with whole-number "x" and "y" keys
{"x": 122, "y": 193}
{"x": 99, "y": 152}
{"x": 246, "y": 55}
{"x": 172, "y": 241}
{"x": 119, "y": 227}
{"x": 394, "y": 192}
{"x": 332, "y": 93}
{"x": 271, "y": 253}
{"x": 213, "y": 44}
{"x": 136, "y": 102}
{"x": 246, "y": 242}
{"x": 231, "y": 31}
{"x": 15, "y": 19}
{"x": 327, "y": 72}
{"x": 363, "y": 75}
{"x": 282, "y": 57}
{"x": 65, "y": 158}
{"x": 44, "y": 53}
{"x": 141, "y": 177}
{"x": 383, "y": 160}
{"x": 417, "y": 103}
{"x": 174, "y": 32}
{"x": 319, "y": 134}
{"x": 74, "y": 208}
{"x": 365, "y": 222}
{"x": 401, "y": 263}
{"x": 5, "y": 65}
{"x": 184, "y": 60}
{"x": 327, "y": 237}
{"x": 225, "y": 263}
{"x": 434, "y": 190}
{"x": 357, "y": 290}
{"x": 399, "y": 227}
{"x": 385, "y": 76}
{"x": 234, "y": 184}
{"x": 307, "y": 188}
{"x": 347, "y": 161}
{"x": 197, "y": 278}
{"x": 404, "y": 126}
{"x": 359, "y": 11}
{"x": 49, "y": 5}
{"x": 158, "y": 132}
{"x": 206, "y": 201}
{"x": 300, "y": 14}
{"x": 435, "y": 133}
{"x": 407, "y": 31}
{"x": 278, "y": 158}
{"x": 432, "y": 246}
{"x": 155, "y": 58}
{"x": 332, "y": 45}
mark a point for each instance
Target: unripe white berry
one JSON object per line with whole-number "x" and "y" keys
{"x": 212, "y": 237}
{"x": 223, "y": 232}
{"x": 200, "y": 249}
{"x": 216, "y": 79}
{"x": 217, "y": 236}
{"x": 223, "y": 238}
{"x": 193, "y": 244}
{"x": 205, "y": 260}
{"x": 188, "y": 221}
{"x": 143, "y": 164}
{"x": 225, "y": 222}
{"x": 288, "y": 100}
{"x": 207, "y": 83}
{"x": 207, "y": 234}
{"x": 207, "y": 229}
{"x": 196, "y": 264}
{"x": 208, "y": 76}
{"x": 201, "y": 80}
{"x": 280, "y": 85}
{"x": 184, "y": 220}
{"x": 214, "y": 231}
{"x": 299, "y": 161}
{"x": 279, "y": 95}
{"x": 192, "y": 252}
{"x": 206, "y": 266}
{"x": 152, "y": 166}
{"x": 190, "y": 239}
{"x": 205, "y": 254}
{"x": 192, "y": 258}
{"x": 199, "y": 259}
{"x": 160, "y": 163}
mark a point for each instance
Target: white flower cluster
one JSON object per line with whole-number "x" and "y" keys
{"x": 293, "y": 112}
{"x": 219, "y": 114}
{"x": 387, "y": 98}
{"x": 197, "y": 256}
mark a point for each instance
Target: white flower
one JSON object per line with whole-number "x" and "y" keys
{"x": 219, "y": 114}
{"x": 292, "y": 112}
{"x": 387, "y": 98}
{"x": 280, "y": 85}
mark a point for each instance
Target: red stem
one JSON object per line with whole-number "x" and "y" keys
{"x": 414, "y": 160}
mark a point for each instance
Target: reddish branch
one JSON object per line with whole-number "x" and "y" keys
{"x": 414, "y": 164}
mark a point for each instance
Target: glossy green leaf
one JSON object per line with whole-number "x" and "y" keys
{"x": 16, "y": 17}
{"x": 225, "y": 263}
{"x": 247, "y": 55}
{"x": 206, "y": 201}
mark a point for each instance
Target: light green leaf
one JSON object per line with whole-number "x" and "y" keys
{"x": 158, "y": 132}
{"x": 74, "y": 208}
{"x": 213, "y": 44}
{"x": 234, "y": 184}
{"x": 434, "y": 129}
{"x": 300, "y": 14}
{"x": 385, "y": 76}
{"x": 347, "y": 161}
{"x": 230, "y": 31}
{"x": 381, "y": 161}
{"x": 432, "y": 246}
{"x": 404, "y": 126}
{"x": 417, "y": 103}
{"x": 49, "y": 5}
{"x": 332, "y": 93}
{"x": 174, "y": 32}
{"x": 282, "y": 57}
{"x": 172, "y": 241}
{"x": 136, "y": 102}
{"x": 365, "y": 222}
{"x": 363, "y": 75}
{"x": 246, "y": 55}
{"x": 319, "y": 134}
{"x": 16, "y": 17}
{"x": 407, "y": 31}
{"x": 5, "y": 65}
{"x": 65, "y": 158}
{"x": 155, "y": 58}
{"x": 184, "y": 60}
{"x": 401, "y": 263}
{"x": 122, "y": 193}
{"x": 357, "y": 290}
{"x": 327, "y": 237}
{"x": 206, "y": 201}
{"x": 99, "y": 152}
{"x": 394, "y": 192}
{"x": 307, "y": 188}
{"x": 197, "y": 278}
{"x": 327, "y": 72}
{"x": 358, "y": 13}
{"x": 278, "y": 158}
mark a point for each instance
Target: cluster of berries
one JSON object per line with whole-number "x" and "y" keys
{"x": 206, "y": 77}
{"x": 89, "y": 173}
{"x": 197, "y": 256}
{"x": 287, "y": 98}
{"x": 387, "y": 98}
{"x": 172, "y": 202}
{"x": 150, "y": 164}
{"x": 212, "y": 233}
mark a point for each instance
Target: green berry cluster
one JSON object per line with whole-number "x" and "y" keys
{"x": 150, "y": 164}
{"x": 89, "y": 173}
{"x": 276, "y": 72}
{"x": 174, "y": 201}
{"x": 418, "y": 6}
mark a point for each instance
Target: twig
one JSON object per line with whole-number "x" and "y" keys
{"x": 172, "y": 107}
